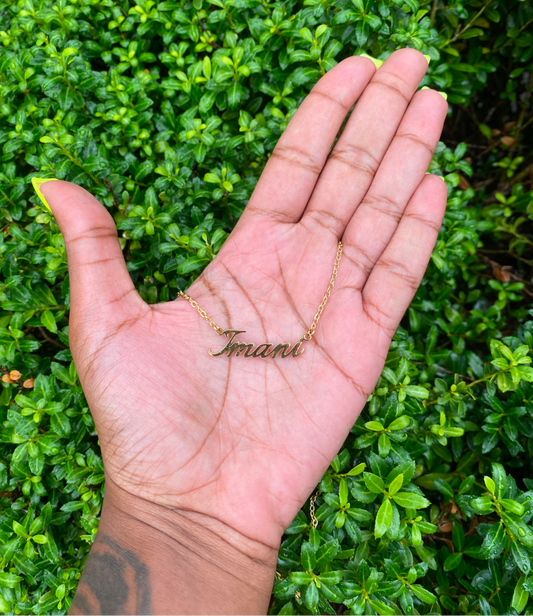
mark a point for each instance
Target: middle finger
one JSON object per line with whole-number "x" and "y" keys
{"x": 369, "y": 131}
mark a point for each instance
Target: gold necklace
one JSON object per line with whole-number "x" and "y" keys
{"x": 266, "y": 349}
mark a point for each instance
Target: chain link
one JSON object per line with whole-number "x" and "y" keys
{"x": 314, "y": 522}
{"x": 202, "y": 313}
{"x": 310, "y": 332}
{"x": 312, "y": 515}
{"x": 324, "y": 301}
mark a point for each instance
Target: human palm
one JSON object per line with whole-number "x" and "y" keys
{"x": 245, "y": 439}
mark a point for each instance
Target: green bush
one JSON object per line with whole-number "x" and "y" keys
{"x": 167, "y": 113}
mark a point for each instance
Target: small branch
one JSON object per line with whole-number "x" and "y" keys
{"x": 56, "y": 343}
{"x": 116, "y": 202}
{"x": 469, "y": 24}
{"x": 433, "y": 13}
{"x": 510, "y": 40}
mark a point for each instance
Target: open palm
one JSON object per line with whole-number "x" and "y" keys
{"x": 243, "y": 439}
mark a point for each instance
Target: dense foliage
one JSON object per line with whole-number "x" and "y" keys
{"x": 167, "y": 113}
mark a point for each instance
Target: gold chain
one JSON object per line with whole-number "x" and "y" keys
{"x": 312, "y": 515}
{"x": 202, "y": 313}
{"x": 314, "y": 522}
{"x": 310, "y": 332}
{"x": 324, "y": 301}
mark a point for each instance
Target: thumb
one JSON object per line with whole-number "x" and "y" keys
{"x": 99, "y": 279}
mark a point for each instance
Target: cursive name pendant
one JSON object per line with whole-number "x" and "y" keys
{"x": 266, "y": 349}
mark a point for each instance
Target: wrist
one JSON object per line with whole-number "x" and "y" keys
{"x": 148, "y": 558}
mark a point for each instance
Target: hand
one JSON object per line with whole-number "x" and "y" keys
{"x": 244, "y": 441}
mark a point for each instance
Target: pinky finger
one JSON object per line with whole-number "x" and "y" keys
{"x": 399, "y": 271}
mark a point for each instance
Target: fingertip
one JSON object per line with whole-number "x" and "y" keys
{"x": 377, "y": 63}
{"x": 436, "y": 186}
{"x": 361, "y": 62}
{"x": 439, "y": 98}
{"x": 412, "y": 56}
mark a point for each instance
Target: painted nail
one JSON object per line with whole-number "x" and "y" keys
{"x": 37, "y": 185}
{"x": 437, "y": 176}
{"x": 427, "y": 58}
{"x": 444, "y": 95}
{"x": 425, "y": 88}
{"x": 377, "y": 62}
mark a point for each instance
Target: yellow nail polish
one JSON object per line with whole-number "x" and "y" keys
{"x": 427, "y": 58}
{"x": 377, "y": 62}
{"x": 37, "y": 185}
{"x": 444, "y": 95}
{"x": 425, "y": 88}
{"x": 437, "y": 176}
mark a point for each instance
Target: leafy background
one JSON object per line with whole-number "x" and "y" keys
{"x": 167, "y": 113}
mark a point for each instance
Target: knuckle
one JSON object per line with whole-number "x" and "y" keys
{"x": 384, "y": 205}
{"x": 326, "y": 220}
{"x": 417, "y": 140}
{"x": 299, "y": 157}
{"x": 359, "y": 159}
{"x": 318, "y": 92}
{"x": 392, "y": 82}
{"x": 426, "y": 222}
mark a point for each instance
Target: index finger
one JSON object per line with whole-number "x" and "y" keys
{"x": 292, "y": 170}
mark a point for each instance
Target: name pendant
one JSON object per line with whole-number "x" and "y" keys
{"x": 265, "y": 349}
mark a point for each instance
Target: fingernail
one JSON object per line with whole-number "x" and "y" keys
{"x": 425, "y": 88}
{"x": 444, "y": 95}
{"x": 377, "y": 62}
{"x": 427, "y": 58}
{"x": 37, "y": 185}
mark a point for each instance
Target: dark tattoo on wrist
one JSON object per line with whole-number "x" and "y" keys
{"x": 114, "y": 581}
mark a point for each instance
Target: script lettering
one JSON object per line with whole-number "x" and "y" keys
{"x": 262, "y": 352}
{"x": 265, "y": 349}
{"x": 229, "y": 342}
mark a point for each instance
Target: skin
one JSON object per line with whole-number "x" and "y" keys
{"x": 209, "y": 459}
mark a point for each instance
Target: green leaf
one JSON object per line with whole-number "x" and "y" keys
{"x": 400, "y": 423}
{"x": 308, "y": 556}
{"x": 191, "y": 264}
{"x": 444, "y": 487}
{"x": 396, "y": 484}
{"x": 374, "y": 483}
{"x": 8, "y": 580}
{"x": 19, "y": 529}
{"x": 311, "y": 596}
{"x": 512, "y": 506}
{"x": 331, "y": 577}
{"x": 520, "y": 595}
{"x": 453, "y": 561}
{"x": 343, "y": 492}
{"x": 48, "y": 321}
{"x": 521, "y": 557}
{"x": 25, "y": 566}
{"x": 491, "y": 486}
{"x": 494, "y": 541}
{"x": 423, "y": 594}
{"x": 411, "y": 501}
{"x": 326, "y": 553}
{"x": 416, "y": 391}
{"x": 500, "y": 479}
{"x": 383, "y": 518}
{"x": 301, "y": 577}
{"x": 382, "y": 608}
{"x": 357, "y": 470}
